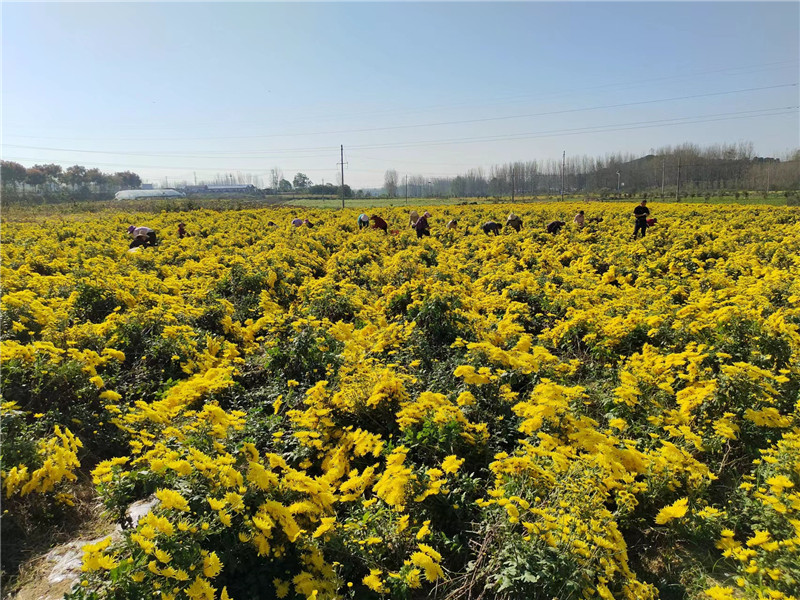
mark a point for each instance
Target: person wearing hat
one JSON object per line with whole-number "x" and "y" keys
{"x": 413, "y": 217}
{"x": 181, "y": 230}
{"x": 363, "y": 221}
{"x": 452, "y": 224}
{"x": 297, "y": 222}
{"x": 421, "y": 226}
{"x": 142, "y": 236}
{"x": 514, "y": 221}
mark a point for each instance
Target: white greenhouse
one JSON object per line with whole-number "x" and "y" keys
{"x": 134, "y": 194}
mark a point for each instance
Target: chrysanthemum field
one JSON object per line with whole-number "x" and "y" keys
{"x": 332, "y": 413}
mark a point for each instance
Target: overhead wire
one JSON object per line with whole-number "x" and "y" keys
{"x": 776, "y": 111}
{"x": 490, "y": 119}
{"x": 283, "y": 152}
{"x": 611, "y": 86}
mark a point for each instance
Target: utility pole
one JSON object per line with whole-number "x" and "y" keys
{"x": 195, "y": 177}
{"x": 618, "y": 177}
{"x": 663, "y": 171}
{"x": 563, "y": 162}
{"x": 406, "y": 189}
{"x": 766, "y": 193}
{"x": 342, "y": 163}
{"x": 678, "y": 183}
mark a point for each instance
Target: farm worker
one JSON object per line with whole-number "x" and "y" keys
{"x": 555, "y": 226}
{"x": 363, "y": 221}
{"x": 413, "y": 217}
{"x": 452, "y": 224}
{"x": 641, "y": 213}
{"x": 514, "y": 221}
{"x": 379, "y": 223}
{"x": 651, "y": 222}
{"x": 579, "y": 219}
{"x": 181, "y": 230}
{"x": 421, "y": 226}
{"x": 142, "y": 236}
{"x": 308, "y": 223}
{"x": 491, "y": 227}
{"x": 297, "y": 222}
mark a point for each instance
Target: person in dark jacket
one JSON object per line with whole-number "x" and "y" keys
{"x": 181, "y": 230}
{"x": 421, "y": 226}
{"x": 491, "y": 227}
{"x": 555, "y": 226}
{"x": 142, "y": 236}
{"x": 379, "y": 223}
{"x": 641, "y": 213}
{"x": 363, "y": 221}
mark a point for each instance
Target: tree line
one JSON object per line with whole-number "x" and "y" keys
{"x": 52, "y": 178}
{"x": 684, "y": 169}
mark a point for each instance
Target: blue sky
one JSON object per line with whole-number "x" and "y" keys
{"x": 178, "y": 89}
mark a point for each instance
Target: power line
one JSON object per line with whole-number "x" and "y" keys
{"x": 434, "y": 124}
{"x": 188, "y": 168}
{"x": 778, "y": 111}
{"x": 597, "y": 129}
{"x": 319, "y": 148}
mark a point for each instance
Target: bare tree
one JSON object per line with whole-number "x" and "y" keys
{"x": 275, "y": 177}
{"x": 390, "y": 183}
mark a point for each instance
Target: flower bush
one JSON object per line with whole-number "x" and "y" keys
{"x": 325, "y": 413}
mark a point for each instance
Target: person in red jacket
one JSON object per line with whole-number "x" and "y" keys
{"x": 379, "y": 223}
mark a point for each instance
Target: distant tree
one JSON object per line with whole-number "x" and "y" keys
{"x": 53, "y": 172}
{"x": 390, "y": 183}
{"x": 348, "y": 192}
{"x": 75, "y": 175}
{"x": 128, "y": 180}
{"x": 323, "y": 190}
{"x": 275, "y": 177}
{"x": 459, "y": 186}
{"x": 301, "y": 181}
{"x": 95, "y": 176}
{"x": 35, "y": 177}
{"x": 12, "y": 172}
{"x": 284, "y": 186}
